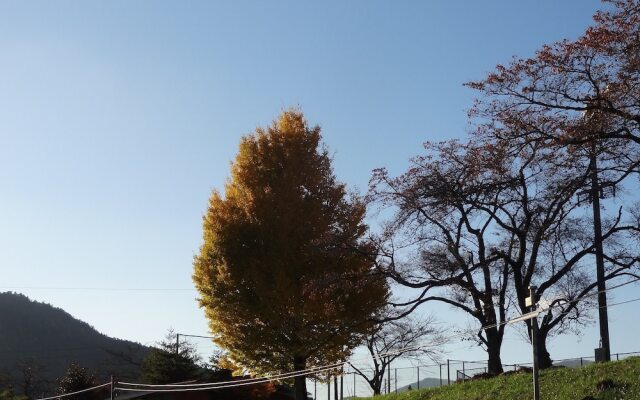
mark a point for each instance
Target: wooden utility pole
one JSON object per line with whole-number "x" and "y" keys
{"x": 597, "y": 228}
{"x": 597, "y": 123}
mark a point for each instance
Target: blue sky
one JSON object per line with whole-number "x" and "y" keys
{"x": 117, "y": 119}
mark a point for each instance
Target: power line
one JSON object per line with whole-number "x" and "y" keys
{"x": 105, "y": 289}
{"x": 540, "y": 311}
{"x": 624, "y": 302}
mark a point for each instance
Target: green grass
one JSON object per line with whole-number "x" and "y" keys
{"x": 555, "y": 384}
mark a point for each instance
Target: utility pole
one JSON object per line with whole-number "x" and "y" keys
{"x": 177, "y": 350}
{"x": 596, "y": 124}
{"x": 177, "y": 355}
{"x": 111, "y": 388}
{"x": 603, "y": 317}
{"x": 534, "y": 342}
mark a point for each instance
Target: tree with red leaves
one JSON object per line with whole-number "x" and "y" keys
{"x": 476, "y": 224}
{"x": 573, "y": 93}
{"x": 579, "y": 98}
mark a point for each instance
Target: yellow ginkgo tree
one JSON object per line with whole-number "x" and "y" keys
{"x": 283, "y": 273}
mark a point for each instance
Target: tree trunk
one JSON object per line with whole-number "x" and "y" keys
{"x": 544, "y": 358}
{"x": 300, "y": 364}
{"x": 494, "y": 344}
{"x": 376, "y": 385}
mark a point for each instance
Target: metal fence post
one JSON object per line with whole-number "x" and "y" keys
{"x": 396, "y": 379}
{"x": 329, "y": 389}
{"x": 464, "y": 373}
{"x": 388, "y": 376}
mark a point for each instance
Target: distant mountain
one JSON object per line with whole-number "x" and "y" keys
{"x": 39, "y": 341}
{"x": 424, "y": 383}
{"x": 575, "y": 363}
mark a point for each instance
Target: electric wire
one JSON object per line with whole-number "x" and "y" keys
{"x": 540, "y": 311}
{"x": 118, "y": 289}
{"x": 622, "y": 302}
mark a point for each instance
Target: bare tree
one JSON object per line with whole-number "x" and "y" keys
{"x": 31, "y": 381}
{"x": 580, "y": 96}
{"x": 404, "y": 338}
{"x": 479, "y": 223}
{"x": 548, "y": 94}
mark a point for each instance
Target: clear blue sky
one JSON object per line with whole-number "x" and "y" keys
{"x": 118, "y": 118}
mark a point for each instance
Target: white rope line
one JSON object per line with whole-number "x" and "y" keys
{"x": 285, "y": 375}
{"x": 151, "y": 388}
{"x": 72, "y": 393}
{"x": 221, "y": 385}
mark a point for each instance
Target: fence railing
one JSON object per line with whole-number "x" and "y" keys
{"x": 400, "y": 379}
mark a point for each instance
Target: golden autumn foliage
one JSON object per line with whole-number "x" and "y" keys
{"x": 282, "y": 274}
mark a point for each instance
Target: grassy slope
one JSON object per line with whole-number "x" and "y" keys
{"x": 556, "y": 384}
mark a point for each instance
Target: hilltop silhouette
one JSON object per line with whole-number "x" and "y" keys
{"x": 38, "y": 342}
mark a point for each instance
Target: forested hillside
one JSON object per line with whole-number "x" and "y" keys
{"x": 38, "y": 342}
